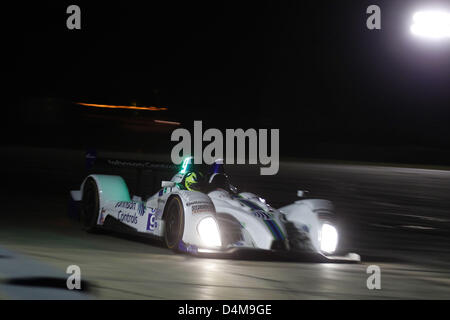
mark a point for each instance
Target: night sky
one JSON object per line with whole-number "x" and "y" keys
{"x": 311, "y": 68}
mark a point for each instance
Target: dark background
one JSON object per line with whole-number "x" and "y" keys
{"x": 335, "y": 89}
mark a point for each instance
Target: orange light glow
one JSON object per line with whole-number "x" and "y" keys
{"x": 121, "y": 107}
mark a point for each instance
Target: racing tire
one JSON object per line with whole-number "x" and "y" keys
{"x": 174, "y": 223}
{"x": 90, "y": 206}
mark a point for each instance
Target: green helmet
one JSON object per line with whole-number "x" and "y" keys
{"x": 191, "y": 179}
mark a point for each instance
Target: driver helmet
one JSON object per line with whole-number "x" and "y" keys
{"x": 218, "y": 178}
{"x": 192, "y": 174}
{"x": 192, "y": 178}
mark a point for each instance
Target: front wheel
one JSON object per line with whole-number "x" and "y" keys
{"x": 90, "y": 206}
{"x": 174, "y": 223}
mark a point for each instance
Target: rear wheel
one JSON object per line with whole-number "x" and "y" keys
{"x": 90, "y": 206}
{"x": 174, "y": 223}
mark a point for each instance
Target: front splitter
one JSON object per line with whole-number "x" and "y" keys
{"x": 261, "y": 254}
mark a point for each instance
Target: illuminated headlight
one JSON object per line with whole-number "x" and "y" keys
{"x": 209, "y": 232}
{"x": 328, "y": 238}
{"x": 431, "y": 24}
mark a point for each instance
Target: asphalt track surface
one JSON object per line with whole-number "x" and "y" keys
{"x": 396, "y": 218}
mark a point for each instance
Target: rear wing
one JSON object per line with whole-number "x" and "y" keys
{"x": 143, "y": 177}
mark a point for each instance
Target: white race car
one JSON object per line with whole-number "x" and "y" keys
{"x": 203, "y": 213}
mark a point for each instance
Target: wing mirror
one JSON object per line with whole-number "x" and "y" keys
{"x": 167, "y": 184}
{"x": 302, "y": 193}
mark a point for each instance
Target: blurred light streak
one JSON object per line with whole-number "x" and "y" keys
{"x": 152, "y": 108}
{"x": 168, "y": 122}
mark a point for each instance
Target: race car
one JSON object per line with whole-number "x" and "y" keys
{"x": 200, "y": 212}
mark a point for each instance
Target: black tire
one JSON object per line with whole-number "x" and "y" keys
{"x": 90, "y": 206}
{"x": 174, "y": 223}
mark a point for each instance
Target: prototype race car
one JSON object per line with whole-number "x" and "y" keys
{"x": 201, "y": 212}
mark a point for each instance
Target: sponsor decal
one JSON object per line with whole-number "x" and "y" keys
{"x": 141, "y": 164}
{"x": 152, "y": 224}
{"x": 263, "y": 215}
{"x": 126, "y": 217}
{"x": 126, "y": 205}
{"x": 267, "y": 218}
{"x": 202, "y": 208}
{"x": 271, "y": 224}
{"x": 197, "y": 202}
{"x": 139, "y": 206}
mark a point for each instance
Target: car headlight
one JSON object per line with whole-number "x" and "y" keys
{"x": 328, "y": 238}
{"x": 209, "y": 232}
